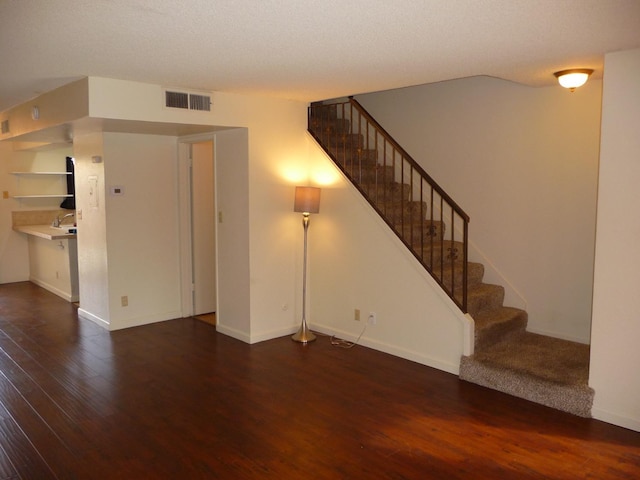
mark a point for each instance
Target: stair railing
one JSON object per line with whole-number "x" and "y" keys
{"x": 425, "y": 218}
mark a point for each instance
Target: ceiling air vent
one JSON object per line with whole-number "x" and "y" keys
{"x": 187, "y": 101}
{"x": 200, "y": 102}
{"x": 5, "y": 126}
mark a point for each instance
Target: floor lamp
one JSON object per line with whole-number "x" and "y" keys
{"x": 307, "y": 201}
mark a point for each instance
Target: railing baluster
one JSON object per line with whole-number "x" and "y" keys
{"x": 453, "y": 254}
{"x": 340, "y": 143}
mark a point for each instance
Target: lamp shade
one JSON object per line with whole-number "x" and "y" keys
{"x": 307, "y": 200}
{"x": 573, "y": 78}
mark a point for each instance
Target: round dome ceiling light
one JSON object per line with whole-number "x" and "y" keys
{"x": 573, "y": 78}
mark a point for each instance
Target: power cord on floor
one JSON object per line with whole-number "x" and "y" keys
{"x": 341, "y": 343}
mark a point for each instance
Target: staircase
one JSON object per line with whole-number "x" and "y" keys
{"x": 434, "y": 228}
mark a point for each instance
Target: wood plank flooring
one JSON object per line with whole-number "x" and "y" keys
{"x": 176, "y": 400}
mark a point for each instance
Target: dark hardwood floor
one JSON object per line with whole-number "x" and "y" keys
{"x": 176, "y": 400}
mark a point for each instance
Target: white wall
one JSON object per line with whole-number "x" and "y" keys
{"x": 93, "y": 268}
{"x": 258, "y": 141}
{"x": 522, "y": 162}
{"x": 14, "y": 254}
{"x": 232, "y": 178}
{"x": 356, "y": 262}
{"x": 276, "y": 148}
{"x": 128, "y": 244}
{"x": 615, "y": 355}
{"x": 142, "y": 238}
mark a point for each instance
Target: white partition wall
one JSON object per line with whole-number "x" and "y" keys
{"x": 615, "y": 334}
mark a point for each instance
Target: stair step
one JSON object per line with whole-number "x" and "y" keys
{"x": 373, "y": 174}
{"x": 382, "y": 194}
{"x": 346, "y": 140}
{"x": 320, "y": 110}
{"x": 545, "y": 370}
{"x": 483, "y": 298}
{"x": 409, "y": 213}
{"x": 352, "y": 160}
{"x": 324, "y": 128}
{"x": 418, "y": 232}
{"x": 498, "y": 325}
{"x": 475, "y": 273}
{"x": 434, "y": 253}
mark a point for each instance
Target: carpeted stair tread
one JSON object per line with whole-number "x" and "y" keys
{"x": 545, "y": 370}
{"x": 484, "y": 297}
{"x": 497, "y": 325}
{"x": 548, "y": 358}
{"x": 475, "y": 272}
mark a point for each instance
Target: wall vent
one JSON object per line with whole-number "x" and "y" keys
{"x": 5, "y": 126}
{"x": 187, "y": 101}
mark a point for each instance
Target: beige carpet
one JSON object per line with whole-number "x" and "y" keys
{"x": 545, "y": 370}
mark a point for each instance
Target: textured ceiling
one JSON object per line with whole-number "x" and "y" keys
{"x": 303, "y": 49}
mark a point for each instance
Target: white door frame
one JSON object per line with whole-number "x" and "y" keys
{"x": 184, "y": 213}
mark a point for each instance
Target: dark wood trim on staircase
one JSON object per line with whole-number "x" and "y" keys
{"x": 414, "y": 206}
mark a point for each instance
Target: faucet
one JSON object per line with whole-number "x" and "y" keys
{"x": 58, "y": 220}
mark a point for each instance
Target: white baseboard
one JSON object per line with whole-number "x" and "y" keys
{"x": 615, "y": 419}
{"x": 93, "y": 318}
{"x": 233, "y": 333}
{"x": 53, "y": 289}
{"x": 394, "y": 350}
{"x": 561, "y": 336}
{"x": 271, "y": 334}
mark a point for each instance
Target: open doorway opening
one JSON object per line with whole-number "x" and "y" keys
{"x": 203, "y": 225}
{"x": 198, "y": 232}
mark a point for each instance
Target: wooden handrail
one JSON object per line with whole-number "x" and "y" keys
{"x": 410, "y": 159}
{"x": 373, "y": 160}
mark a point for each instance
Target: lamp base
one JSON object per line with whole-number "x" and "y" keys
{"x": 303, "y": 335}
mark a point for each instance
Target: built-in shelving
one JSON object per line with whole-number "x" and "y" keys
{"x": 62, "y": 195}
{"x": 41, "y": 175}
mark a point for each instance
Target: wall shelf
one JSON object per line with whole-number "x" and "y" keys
{"x": 62, "y": 195}
{"x": 40, "y": 173}
{"x": 35, "y": 188}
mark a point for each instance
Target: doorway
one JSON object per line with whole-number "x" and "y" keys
{"x": 198, "y": 228}
{"x": 203, "y": 226}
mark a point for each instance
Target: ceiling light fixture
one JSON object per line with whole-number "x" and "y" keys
{"x": 573, "y": 78}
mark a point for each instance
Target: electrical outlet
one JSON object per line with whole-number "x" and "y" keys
{"x": 373, "y": 319}
{"x": 124, "y": 300}
{"x": 356, "y": 314}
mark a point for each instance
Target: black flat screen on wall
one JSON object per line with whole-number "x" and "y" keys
{"x": 69, "y": 203}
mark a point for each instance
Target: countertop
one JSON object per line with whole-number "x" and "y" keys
{"x": 45, "y": 231}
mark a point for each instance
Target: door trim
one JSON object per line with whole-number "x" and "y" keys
{"x": 185, "y": 223}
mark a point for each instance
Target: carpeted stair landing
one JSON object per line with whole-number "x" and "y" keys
{"x": 545, "y": 370}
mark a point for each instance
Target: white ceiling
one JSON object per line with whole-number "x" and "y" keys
{"x": 303, "y": 49}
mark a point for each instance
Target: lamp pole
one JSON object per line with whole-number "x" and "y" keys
{"x": 304, "y": 335}
{"x": 306, "y": 201}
